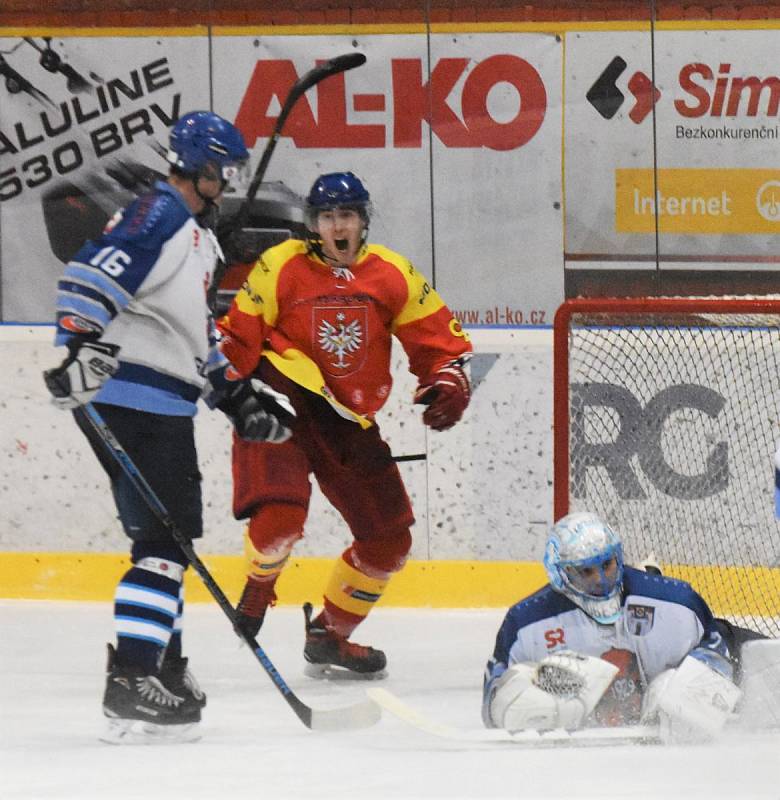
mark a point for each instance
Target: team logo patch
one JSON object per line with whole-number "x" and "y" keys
{"x": 639, "y": 619}
{"x": 340, "y": 332}
{"x": 76, "y": 324}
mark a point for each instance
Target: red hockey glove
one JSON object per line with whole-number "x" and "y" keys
{"x": 446, "y": 394}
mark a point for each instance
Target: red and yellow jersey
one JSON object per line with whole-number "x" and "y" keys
{"x": 329, "y": 329}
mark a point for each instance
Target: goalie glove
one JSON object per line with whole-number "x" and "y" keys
{"x": 82, "y": 374}
{"x": 446, "y": 395}
{"x": 559, "y": 692}
{"x": 259, "y": 413}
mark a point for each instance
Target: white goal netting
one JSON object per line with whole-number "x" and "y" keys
{"x": 666, "y": 424}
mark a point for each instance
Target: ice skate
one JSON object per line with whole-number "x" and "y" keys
{"x": 178, "y": 678}
{"x": 254, "y": 602}
{"x": 142, "y": 710}
{"x": 333, "y": 657}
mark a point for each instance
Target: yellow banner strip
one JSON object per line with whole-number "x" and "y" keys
{"x": 431, "y": 584}
{"x": 437, "y": 584}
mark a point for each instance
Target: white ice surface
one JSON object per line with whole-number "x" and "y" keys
{"x": 52, "y": 657}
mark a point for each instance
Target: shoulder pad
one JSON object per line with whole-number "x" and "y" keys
{"x": 150, "y": 219}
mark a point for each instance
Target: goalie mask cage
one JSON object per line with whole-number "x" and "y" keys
{"x": 665, "y": 424}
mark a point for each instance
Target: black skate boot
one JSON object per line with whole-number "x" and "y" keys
{"x": 254, "y": 602}
{"x": 142, "y": 710}
{"x": 332, "y": 656}
{"x": 175, "y": 676}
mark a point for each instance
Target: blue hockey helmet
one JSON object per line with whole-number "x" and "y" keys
{"x": 202, "y": 137}
{"x": 337, "y": 190}
{"x": 584, "y": 561}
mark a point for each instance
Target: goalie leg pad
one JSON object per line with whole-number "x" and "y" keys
{"x": 691, "y": 703}
{"x": 760, "y": 706}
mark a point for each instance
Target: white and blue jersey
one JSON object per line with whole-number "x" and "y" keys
{"x": 142, "y": 285}
{"x": 662, "y": 620}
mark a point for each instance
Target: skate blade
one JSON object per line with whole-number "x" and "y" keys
{"x": 138, "y": 731}
{"x": 330, "y": 672}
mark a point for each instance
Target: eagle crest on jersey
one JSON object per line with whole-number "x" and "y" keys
{"x": 341, "y": 338}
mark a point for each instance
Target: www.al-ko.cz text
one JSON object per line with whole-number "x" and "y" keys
{"x": 500, "y": 316}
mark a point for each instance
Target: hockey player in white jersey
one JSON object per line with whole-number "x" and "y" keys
{"x": 132, "y": 312}
{"x": 604, "y": 644}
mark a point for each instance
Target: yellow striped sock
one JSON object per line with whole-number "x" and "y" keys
{"x": 264, "y": 565}
{"x": 352, "y": 590}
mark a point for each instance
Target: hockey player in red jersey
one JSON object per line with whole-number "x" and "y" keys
{"x": 315, "y": 321}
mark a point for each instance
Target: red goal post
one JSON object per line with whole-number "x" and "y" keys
{"x": 665, "y": 422}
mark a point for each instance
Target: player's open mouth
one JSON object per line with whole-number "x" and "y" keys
{"x": 342, "y": 244}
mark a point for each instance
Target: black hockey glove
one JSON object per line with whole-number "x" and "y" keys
{"x": 259, "y": 413}
{"x": 82, "y": 374}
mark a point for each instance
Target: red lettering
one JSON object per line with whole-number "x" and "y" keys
{"x": 719, "y": 97}
{"x": 755, "y": 87}
{"x": 727, "y": 93}
{"x": 415, "y": 102}
{"x": 554, "y": 637}
{"x": 696, "y": 91}
{"x": 333, "y": 129}
{"x": 272, "y": 78}
{"x": 533, "y": 102}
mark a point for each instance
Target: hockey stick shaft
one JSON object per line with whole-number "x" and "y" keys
{"x": 412, "y": 457}
{"x": 358, "y": 716}
{"x": 527, "y": 738}
{"x": 334, "y": 66}
{"x": 228, "y": 228}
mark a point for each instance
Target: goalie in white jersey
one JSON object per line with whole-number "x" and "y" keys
{"x": 605, "y": 644}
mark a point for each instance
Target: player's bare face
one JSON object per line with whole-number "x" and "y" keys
{"x": 341, "y": 231}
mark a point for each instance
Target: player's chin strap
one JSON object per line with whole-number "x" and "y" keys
{"x": 207, "y": 217}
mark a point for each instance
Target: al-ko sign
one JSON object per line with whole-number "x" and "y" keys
{"x": 639, "y": 433}
{"x": 453, "y": 100}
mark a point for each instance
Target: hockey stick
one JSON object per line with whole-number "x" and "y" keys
{"x": 359, "y": 715}
{"x": 229, "y": 227}
{"x": 414, "y": 457}
{"x": 640, "y": 734}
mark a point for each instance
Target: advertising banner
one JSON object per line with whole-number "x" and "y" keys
{"x": 77, "y": 145}
{"x": 457, "y": 138}
{"x": 683, "y": 179}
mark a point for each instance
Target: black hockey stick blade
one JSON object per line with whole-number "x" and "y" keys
{"x": 227, "y": 228}
{"x": 360, "y": 715}
{"x": 333, "y": 66}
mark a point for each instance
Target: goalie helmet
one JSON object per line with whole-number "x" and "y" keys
{"x": 584, "y": 561}
{"x": 202, "y": 137}
{"x": 337, "y": 190}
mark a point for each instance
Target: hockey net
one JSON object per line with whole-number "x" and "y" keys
{"x": 666, "y": 422}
